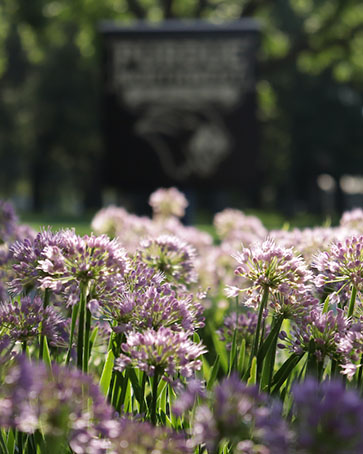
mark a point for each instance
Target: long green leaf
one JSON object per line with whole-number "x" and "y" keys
{"x": 220, "y": 348}
{"x": 206, "y": 369}
{"x": 284, "y": 371}
{"x": 252, "y": 380}
{"x": 73, "y": 326}
{"x": 241, "y": 357}
{"x": 46, "y": 354}
{"x": 214, "y": 373}
{"x": 3, "y": 444}
{"x": 11, "y": 441}
{"x": 107, "y": 373}
{"x": 233, "y": 353}
{"x": 136, "y": 385}
{"x": 269, "y": 340}
{"x": 269, "y": 362}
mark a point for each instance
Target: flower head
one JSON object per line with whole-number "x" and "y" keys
{"x": 25, "y": 255}
{"x": 268, "y": 266}
{"x": 56, "y": 401}
{"x": 25, "y": 319}
{"x": 64, "y": 260}
{"x": 168, "y": 203}
{"x": 341, "y": 266}
{"x": 245, "y": 323}
{"x": 239, "y": 413}
{"x": 232, "y": 225}
{"x": 171, "y": 256}
{"x": 327, "y": 418}
{"x": 8, "y": 221}
{"x": 155, "y": 307}
{"x": 325, "y": 329}
{"x": 164, "y": 351}
{"x": 353, "y": 220}
{"x": 143, "y": 438}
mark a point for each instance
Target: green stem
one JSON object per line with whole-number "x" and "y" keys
{"x": 87, "y": 341}
{"x": 3, "y": 444}
{"x": 117, "y": 396}
{"x": 143, "y": 384}
{"x": 73, "y": 326}
{"x": 259, "y": 320}
{"x": 45, "y": 304}
{"x": 269, "y": 362}
{"x": 154, "y": 396}
{"x": 352, "y": 301}
{"x": 110, "y": 389}
{"x": 360, "y": 371}
{"x": 20, "y": 442}
{"x": 80, "y": 340}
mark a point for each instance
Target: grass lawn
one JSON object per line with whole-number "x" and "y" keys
{"x": 82, "y": 224}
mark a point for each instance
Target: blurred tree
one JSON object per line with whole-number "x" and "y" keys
{"x": 310, "y": 89}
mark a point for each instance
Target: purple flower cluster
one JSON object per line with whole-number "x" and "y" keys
{"x": 62, "y": 261}
{"x": 25, "y": 255}
{"x": 8, "y": 222}
{"x": 25, "y": 319}
{"x": 271, "y": 267}
{"x": 242, "y": 415}
{"x": 55, "y": 401}
{"x": 163, "y": 351}
{"x": 170, "y": 256}
{"x": 327, "y": 335}
{"x": 144, "y": 300}
{"x": 327, "y": 418}
{"x": 143, "y": 438}
{"x": 168, "y": 203}
{"x": 68, "y": 408}
{"x": 156, "y": 306}
{"x": 341, "y": 266}
{"x": 233, "y": 225}
{"x": 353, "y": 220}
{"x": 245, "y": 324}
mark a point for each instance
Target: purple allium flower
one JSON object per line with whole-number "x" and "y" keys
{"x": 155, "y": 307}
{"x": 145, "y": 301}
{"x": 326, "y": 329}
{"x": 26, "y": 255}
{"x": 25, "y": 319}
{"x": 61, "y": 402}
{"x": 127, "y": 228}
{"x": 268, "y": 266}
{"x": 167, "y": 203}
{"x": 109, "y": 221}
{"x": 171, "y": 256}
{"x": 327, "y": 418}
{"x": 62, "y": 261}
{"x": 237, "y": 413}
{"x": 8, "y": 222}
{"x": 246, "y": 325}
{"x": 309, "y": 240}
{"x": 353, "y": 220}
{"x": 4, "y": 271}
{"x": 341, "y": 266}
{"x": 250, "y": 447}
{"x": 6, "y": 352}
{"x": 187, "y": 397}
{"x": 350, "y": 346}
{"x": 232, "y": 224}
{"x": 144, "y": 438}
{"x": 164, "y": 351}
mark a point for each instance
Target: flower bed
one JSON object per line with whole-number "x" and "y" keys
{"x": 151, "y": 337}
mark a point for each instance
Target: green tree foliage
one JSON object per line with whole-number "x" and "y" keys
{"x": 309, "y": 88}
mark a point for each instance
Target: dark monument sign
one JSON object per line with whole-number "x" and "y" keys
{"x": 179, "y": 105}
